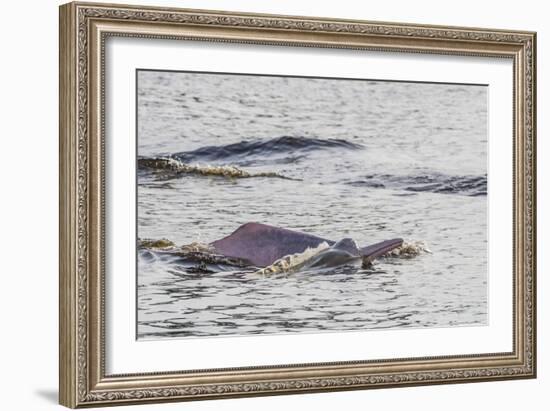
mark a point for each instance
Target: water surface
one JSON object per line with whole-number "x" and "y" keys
{"x": 370, "y": 160}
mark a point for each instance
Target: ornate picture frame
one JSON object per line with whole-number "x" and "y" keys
{"x": 84, "y": 29}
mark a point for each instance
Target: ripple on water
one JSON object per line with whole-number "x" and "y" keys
{"x": 403, "y": 160}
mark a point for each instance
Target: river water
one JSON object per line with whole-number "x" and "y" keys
{"x": 370, "y": 160}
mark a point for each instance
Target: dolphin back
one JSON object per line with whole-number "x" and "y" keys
{"x": 262, "y": 244}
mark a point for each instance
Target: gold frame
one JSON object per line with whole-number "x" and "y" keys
{"x": 83, "y": 30}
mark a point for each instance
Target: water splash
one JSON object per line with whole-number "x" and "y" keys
{"x": 292, "y": 262}
{"x": 408, "y": 250}
{"x": 162, "y": 244}
{"x": 167, "y": 167}
{"x": 197, "y": 247}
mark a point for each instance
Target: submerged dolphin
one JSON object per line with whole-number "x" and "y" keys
{"x": 262, "y": 245}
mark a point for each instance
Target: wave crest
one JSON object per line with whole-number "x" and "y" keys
{"x": 246, "y": 149}
{"x": 167, "y": 167}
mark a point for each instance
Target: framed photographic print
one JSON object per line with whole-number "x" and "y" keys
{"x": 259, "y": 204}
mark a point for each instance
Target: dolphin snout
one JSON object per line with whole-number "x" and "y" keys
{"x": 371, "y": 252}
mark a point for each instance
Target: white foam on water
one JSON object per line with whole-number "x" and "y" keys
{"x": 408, "y": 250}
{"x": 289, "y": 263}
